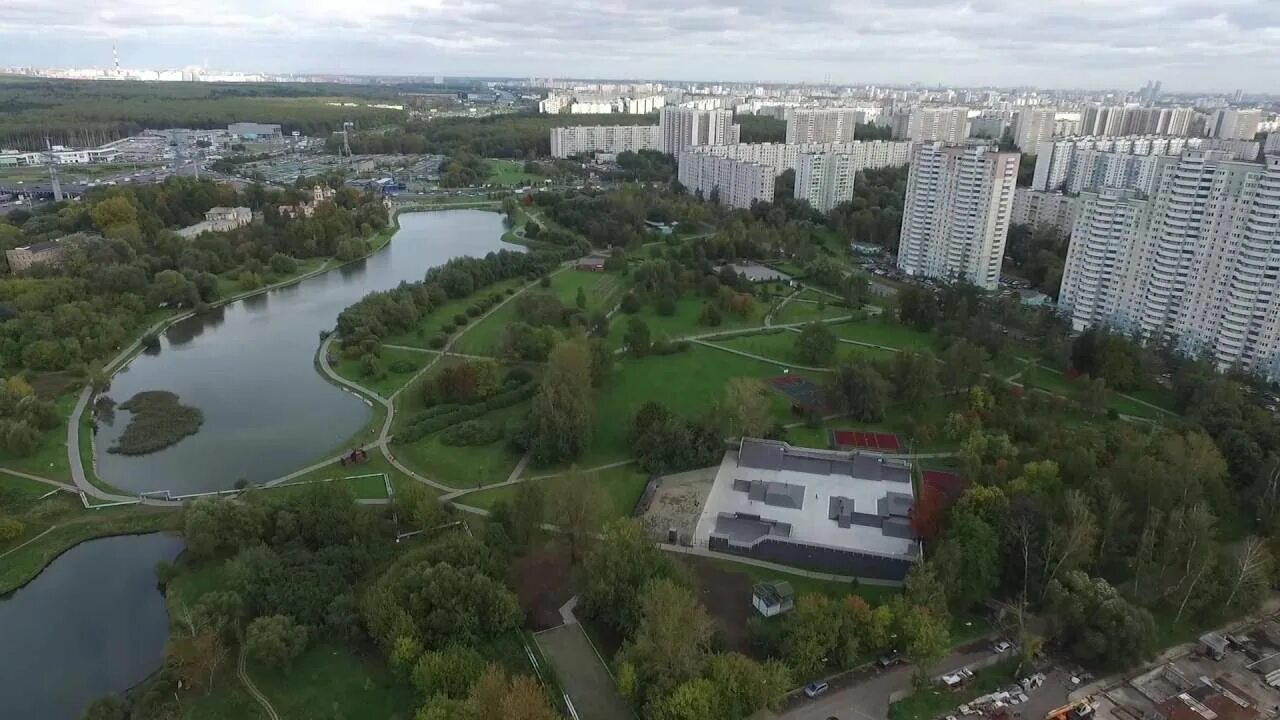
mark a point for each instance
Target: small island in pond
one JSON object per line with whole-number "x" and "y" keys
{"x": 157, "y": 420}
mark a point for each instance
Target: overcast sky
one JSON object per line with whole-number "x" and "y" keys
{"x": 1188, "y": 44}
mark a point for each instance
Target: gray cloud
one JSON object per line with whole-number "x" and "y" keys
{"x": 1189, "y": 44}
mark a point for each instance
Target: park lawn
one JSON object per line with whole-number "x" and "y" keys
{"x": 684, "y": 321}
{"x": 687, "y": 383}
{"x": 482, "y": 337}
{"x": 1129, "y": 406}
{"x": 509, "y": 172}
{"x": 335, "y": 680}
{"x": 432, "y": 323}
{"x": 934, "y": 701}
{"x": 603, "y": 290}
{"x": 465, "y": 466}
{"x": 391, "y": 380}
{"x": 1162, "y": 398}
{"x": 50, "y": 457}
{"x": 898, "y": 419}
{"x": 363, "y": 485}
{"x": 377, "y": 464}
{"x": 883, "y": 333}
{"x": 803, "y": 312}
{"x": 18, "y": 494}
{"x": 229, "y": 700}
{"x": 1041, "y": 377}
{"x": 778, "y": 345}
{"x": 623, "y": 486}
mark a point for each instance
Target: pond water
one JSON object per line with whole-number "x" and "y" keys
{"x": 93, "y": 623}
{"x": 249, "y": 367}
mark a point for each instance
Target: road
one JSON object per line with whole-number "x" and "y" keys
{"x": 867, "y": 698}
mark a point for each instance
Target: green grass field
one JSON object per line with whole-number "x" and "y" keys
{"x": 50, "y": 457}
{"x": 683, "y": 322}
{"x": 778, "y": 345}
{"x": 874, "y": 594}
{"x": 687, "y": 383}
{"x": 797, "y": 311}
{"x": 887, "y": 334}
{"x": 391, "y": 380}
{"x": 335, "y": 680}
{"x": 465, "y": 466}
{"x": 623, "y": 485}
{"x": 509, "y": 172}
{"x": 363, "y": 484}
{"x": 602, "y": 291}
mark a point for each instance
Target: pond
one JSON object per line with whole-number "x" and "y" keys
{"x": 93, "y": 623}
{"x": 249, "y": 367}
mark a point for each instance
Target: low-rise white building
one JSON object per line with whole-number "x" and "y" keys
{"x": 587, "y": 139}
{"x": 219, "y": 219}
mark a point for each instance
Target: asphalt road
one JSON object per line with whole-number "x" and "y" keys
{"x": 867, "y": 698}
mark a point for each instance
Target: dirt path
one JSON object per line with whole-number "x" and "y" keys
{"x": 253, "y": 689}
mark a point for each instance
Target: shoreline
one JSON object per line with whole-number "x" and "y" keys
{"x": 159, "y": 513}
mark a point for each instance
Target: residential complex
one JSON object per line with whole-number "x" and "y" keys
{"x": 1196, "y": 263}
{"x": 957, "y": 212}
{"x": 836, "y": 512}
{"x": 821, "y": 125}
{"x": 680, "y": 128}
{"x": 582, "y": 139}
{"x": 1233, "y": 124}
{"x": 736, "y": 183}
{"x": 932, "y": 124}
{"x": 1031, "y": 127}
{"x": 825, "y": 179}
{"x": 1089, "y": 162}
{"x": 1037, "y": 207}
{"x": 786, "y": 156}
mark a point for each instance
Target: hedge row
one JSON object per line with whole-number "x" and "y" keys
{"x": 440, "y": 417}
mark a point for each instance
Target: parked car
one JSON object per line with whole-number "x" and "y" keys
{"x": 1001, "y": 647}
{"x": 889, "y": 659}
{"x": 814, "y": 689}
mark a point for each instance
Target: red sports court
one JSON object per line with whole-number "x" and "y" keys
{"x": 860, "y": 440}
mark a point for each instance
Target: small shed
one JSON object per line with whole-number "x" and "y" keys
{"x": 1213, "y": 645}
{"x": 773, "y": 598}
{"x": 592, "y": 263}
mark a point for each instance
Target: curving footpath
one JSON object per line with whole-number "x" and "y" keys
{"x": 253, "y": 689}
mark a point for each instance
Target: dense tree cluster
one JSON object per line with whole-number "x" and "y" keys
{"x": 666, "y": 443}
{"x": 874, "y": 215}
{"x": 129, "y": 262}
{"x": 645, "y": 166}
{"x": 1037, "y": 254}
{"x": 463, "y": 170}
{"x": 522, "y": 136}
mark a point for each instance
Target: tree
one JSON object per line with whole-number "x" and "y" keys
{"x": 449, "y": 672}
{"x": 746, "y": 410}
{"x": 918, "y": 308}
{"x": 616, "y": 571}
{"x": 924, "y": 588}
{"x": 914, "y": 376}
{"x": 1250, "y": 572}
{"x": 1096, "y": 624}
{"x": 673, "y": 640}
{"x": 581, "y": 300}
{"x": 816, "y": 344}
{"x": 927, "y": 639}
{"x": 744, "y": 686}
{"x": 963, "y": 363}
{"x": 967, "y": 559}
{"x": 195, "y": 651}
{"x": 578, "y": 503}
{"x": 562, "y": 411}
{"x": 275, "y": 640}
{"x": 858, "y": 389}
{"x": 522, "y": 517}
{"x": 691, "y": 700}
{"x": 637, "y": 339}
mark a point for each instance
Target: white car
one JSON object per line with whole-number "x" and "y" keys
{"x": 1001, "y": 647}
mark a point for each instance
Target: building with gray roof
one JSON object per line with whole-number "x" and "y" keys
{"x": 847, "y": 513}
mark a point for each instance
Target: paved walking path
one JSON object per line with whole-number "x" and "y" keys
{"x": 37, "y": 478}
{"x": 762, "y": 358}
{"x": 253, "y": 689}
{"x": 16, "y": 548}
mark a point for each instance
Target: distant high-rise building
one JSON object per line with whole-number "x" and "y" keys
{"x": 1031, "y": 127}
{"x": 867, "y": 154}
{"x": 1077, "y": 164}
{"x": 1234, "y": 124}
{"x": 821, "y": 125}
{"x": 684, "y": 127}
{"x": 1197, "y": 263}
{"x": 957, "y": 212}
{"x": 990, "y": 126}
{"x": 932, "y": 124}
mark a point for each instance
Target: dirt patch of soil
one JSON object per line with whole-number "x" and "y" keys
{"x": 543, "y": 581}
{"x": 727, "y": 597}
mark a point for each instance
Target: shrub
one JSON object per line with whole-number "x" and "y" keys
{"x": 474, "y": 310}
{"x": 511, "y": 291}
{"x": 517, "y": 376}
{"x": 471, "y": 432}
{"x": 544, "y": 281}
{"x": 447, "y": 328}
{"x": 401, "y": 367}
{"x": 438, "y": 340}
{"x": 10, "y": 528}
{"x": 460, "y": 319}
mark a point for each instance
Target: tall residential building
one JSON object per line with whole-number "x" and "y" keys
{"x": 821, "y": 125}
{"x": 957, "y": 212}
{"x": 1234, "y": 124}
{"x": 735, "y": 183}
{"x": 1197, "y": 263}
{"x": 826, "y": 179}
{"x": 1084, "y": 163}
{"x": 1031, "y": 127}
{"x": 932, "y": 124}
{"x": 1101, "y": 269}
{"x": 579, "y": 139}
{"x": 1272, "y": 146}
{"x": 683, "y": 127}
{"x": 1105, "y": 120}
{"x": 1160, "y": 121}
{"x": 988, "y": 125}
{"x": 868, "y": 154}
{"x": 1037, "y": 207}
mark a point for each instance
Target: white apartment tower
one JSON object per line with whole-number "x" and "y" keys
{"x": 821, "y": 125}
{"x": 735, "y": 183}
{"x": 1197, "y": 263}
{"x": 957, "y": 212}
{"x": 932, "y": 124}
{"x": 1032, "y": 127}
{"x": 826, "y": 179}
{"x": 580, "y": 139}
{"x": 1233, "y": 124}
{"x": 680, "y": 128}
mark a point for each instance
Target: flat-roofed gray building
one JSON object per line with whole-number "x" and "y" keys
{"x": 836, "y": 512}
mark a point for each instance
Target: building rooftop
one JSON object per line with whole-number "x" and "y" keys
{"x": 845, "y": 500}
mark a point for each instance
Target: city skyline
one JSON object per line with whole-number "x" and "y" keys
{"x": 1192, "y": 45}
